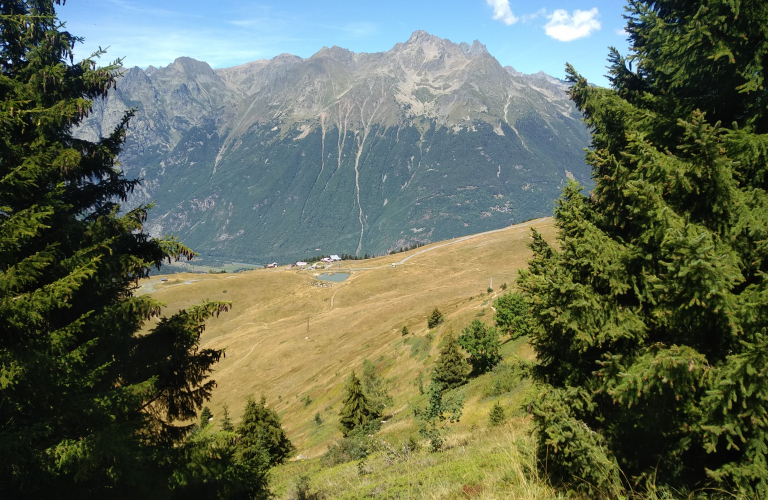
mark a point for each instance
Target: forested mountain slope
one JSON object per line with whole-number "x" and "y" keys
{"x": 344, "y": 152}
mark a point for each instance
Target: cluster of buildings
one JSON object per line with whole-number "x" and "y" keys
{"x": 327, "y": 260}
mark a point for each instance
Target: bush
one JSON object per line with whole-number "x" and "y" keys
{"x": 512, "y": 315}
{"x": 439, "y": 409}
{"x": 503, "y": 378}
{"x": 405, "y": 331}
{"x": 357, "y": 446}
{"x": 419, "y": 345}
{"x": 482, "y": 344}
{"x": 302, "y": 490}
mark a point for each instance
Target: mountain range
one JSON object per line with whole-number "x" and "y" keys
{"x": 343, "y": 152}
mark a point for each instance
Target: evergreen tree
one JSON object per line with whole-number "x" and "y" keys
{"x": 651, "y": 317}
{"x": 205, "y": 417}
{"x": 451, "y": 367}
{"x": 93, "y": 405}
{"x": 482, "y": 344}
{"x": 260, "y": 428}
{"x": 496, "y": 416}
{"x": 209, "y": 466}
{"x": 512, "y": 315}
{"x": 375, "y": 388}
{"x": 356, "y": 411}
{"x": 435, "y": 318}
{"x": 226, "y": 422}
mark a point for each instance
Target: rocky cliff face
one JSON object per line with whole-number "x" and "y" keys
{"x": 349, "y": 153}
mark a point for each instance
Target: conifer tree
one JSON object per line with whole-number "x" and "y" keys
{"x": 375, "y": 388}
{"x": 210, "y": 465}
{"x": 651, "y": 317}
{"x": 91, "y": 406}
{"x": 226, "y": 421}
{"x": 451, "y": 367}
{"x": 205, "y": 417}
{"x": 260, "y": 428}
{"x": 496, "y": 416}
{"x": 482, "y": 344}
{"x": 356, "y": 411}
{"x": 435, "y": 318}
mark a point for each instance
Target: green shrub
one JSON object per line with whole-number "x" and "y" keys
{"x": 302, "y": 490}
{"x": 512, "y": 315}
{"x": 420, "y": 345}
{"x": 482, "y": 344}
{"x": 356, "y": 446}
{"x": 503, "y": 378}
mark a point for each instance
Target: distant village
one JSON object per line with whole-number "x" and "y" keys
{"x": 305, "y": 265}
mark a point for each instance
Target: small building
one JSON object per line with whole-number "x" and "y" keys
{"x": 326, "y": 260}
{"x": 335, "y": 258}
{"x": 269, "y": 266}
{"x": 163, "y": 279}
{"x": 301, "y": 264}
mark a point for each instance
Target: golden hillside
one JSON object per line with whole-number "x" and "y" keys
{"x": 289, "y": 339}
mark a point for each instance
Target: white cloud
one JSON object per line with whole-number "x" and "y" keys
{"x": 565, "y": 28}
{"x": 502, "y": 12}
{"x": 622, "y": 32}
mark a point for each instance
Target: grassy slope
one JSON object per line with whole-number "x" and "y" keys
{"x": 288, "y": 340}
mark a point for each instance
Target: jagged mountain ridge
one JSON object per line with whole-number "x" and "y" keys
{"x": 342, "y": 151}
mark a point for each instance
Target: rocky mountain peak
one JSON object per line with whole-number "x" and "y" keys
{"x": 475, "y": 49}
{"x": 420, "y": 37}
{"x": 192, "y": 67}
{"x": 344, "y": 56}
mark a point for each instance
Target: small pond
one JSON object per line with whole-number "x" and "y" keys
{"x": 333, "y": 276}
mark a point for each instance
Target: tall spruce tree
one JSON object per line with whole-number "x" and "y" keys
{"x": 651, "y": 317}
{"x": 260, "y": 428}
{"x": 451, "y": 367}
{"x": 91, "y": 407}
{"x": 356, "y": 411}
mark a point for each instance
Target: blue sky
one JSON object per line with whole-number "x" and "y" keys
{"x": 528, "y": 36}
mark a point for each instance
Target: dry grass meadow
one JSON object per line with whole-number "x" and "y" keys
{"x": 297, "y": 343}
